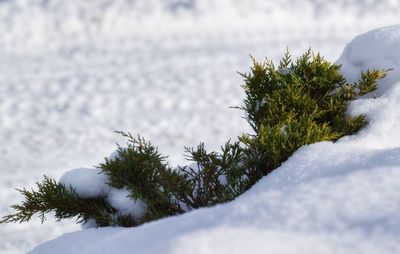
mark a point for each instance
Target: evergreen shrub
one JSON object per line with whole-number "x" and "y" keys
{"x": 294, "y": 104}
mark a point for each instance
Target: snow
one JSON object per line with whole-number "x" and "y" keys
{"x": 382, "y": 46}
{"x": 87, "y": 182}
{"x": 114, "y": 155}
{"x": 93, "y": 183}
{"x": 120, "y": 200}
{"x": 72, "y": 72}
{"x": 341, "y": 197}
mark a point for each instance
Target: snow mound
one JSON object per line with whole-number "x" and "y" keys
{"x": 341, "y": 197}
{"x": 377, "y": 49}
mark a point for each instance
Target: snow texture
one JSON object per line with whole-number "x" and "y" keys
{"x": 72, "y": 72}
{"x": 376, "y": 49}
{"x": 341, "y": 197}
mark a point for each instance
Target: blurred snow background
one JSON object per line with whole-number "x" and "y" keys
{"x": 73, "y": 71}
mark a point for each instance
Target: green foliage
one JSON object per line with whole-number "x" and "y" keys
{"x": 214, "y": 177}
{"x": 143, "y": 171}
{"x": 297, "y": 103}
{"x": 52, "y": 196}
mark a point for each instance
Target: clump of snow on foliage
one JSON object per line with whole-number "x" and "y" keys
{"x": 114, "y": 155}
{"x": 87, "y": 182}
{"x": 93, "y": 183}
{"x": 120, "y": 199}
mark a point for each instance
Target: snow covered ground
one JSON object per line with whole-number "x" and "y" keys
{"x": 73, "y": 71}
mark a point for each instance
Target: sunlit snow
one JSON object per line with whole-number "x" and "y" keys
{"x": 72, "y": 72}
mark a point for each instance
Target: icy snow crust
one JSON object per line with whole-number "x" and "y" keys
{"x": 341, "y": 197}
{"x": 72, "y": 72}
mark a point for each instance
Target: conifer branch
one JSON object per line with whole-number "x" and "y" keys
{"x": 299, "y": 102}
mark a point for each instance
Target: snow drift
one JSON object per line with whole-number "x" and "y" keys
{"x": 341, "y": 197}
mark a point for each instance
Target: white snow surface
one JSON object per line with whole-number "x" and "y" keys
{"x": 376, "y": 49}
{"x": 341, "y": 197}
{"x": 72, "y": 72}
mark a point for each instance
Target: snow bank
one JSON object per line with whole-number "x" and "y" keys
{"x": 377, "y": 49}
{"x": 341, "y": 197}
